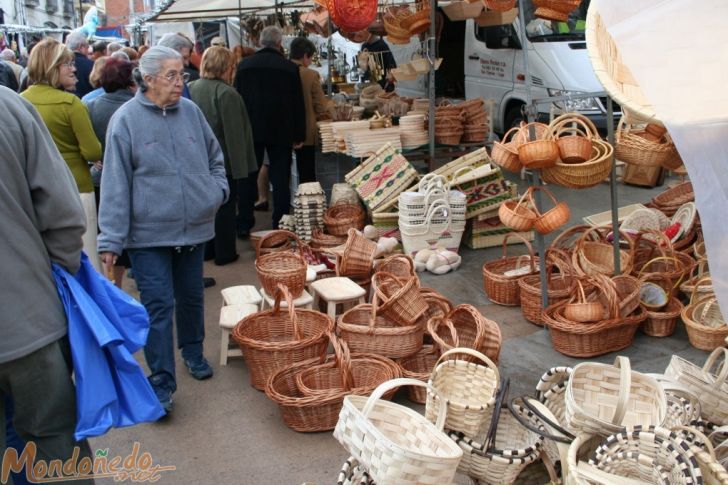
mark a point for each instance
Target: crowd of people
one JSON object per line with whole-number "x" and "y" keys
{"x": 143, "y": 161}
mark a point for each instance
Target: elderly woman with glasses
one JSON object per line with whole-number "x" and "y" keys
{"x": 52, "y": 73}
{"x": 162, "y": 183}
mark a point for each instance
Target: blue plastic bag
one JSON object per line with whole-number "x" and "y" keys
{"x": 105, "y": 326}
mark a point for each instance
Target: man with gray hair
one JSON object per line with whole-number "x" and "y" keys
{"x": 113, "y": 47}
{"x": 184, "y": 46}
{"x": 8, "y": 56}
{"x": 78, "y": 43}
{"x": 271, "y": 87}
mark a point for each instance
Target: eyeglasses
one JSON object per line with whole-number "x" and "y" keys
{"x": 69, "y": 64}
{"x": 174, "y": 76}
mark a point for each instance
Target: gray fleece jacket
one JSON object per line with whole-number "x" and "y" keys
{"x": 163, "y": 177}
{"x": 42, "y": 221}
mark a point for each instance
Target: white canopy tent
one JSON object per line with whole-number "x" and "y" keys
{"x": 189, "y": 10}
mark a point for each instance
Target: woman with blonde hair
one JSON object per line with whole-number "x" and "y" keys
{"x": 93, "y": 80}
{"x": 52, "y": 73}
{"x": 226, "y": 114}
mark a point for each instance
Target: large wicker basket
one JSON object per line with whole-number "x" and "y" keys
{"x": 400, "y": 299}
{"x": 341, "y": 217}
{"x": 275, "y": 338}
{"x": 560, "y": 286}
{"x": 465, "y": 326}
{"x": 283, "y": 267}
{"x": 501, "y": 276}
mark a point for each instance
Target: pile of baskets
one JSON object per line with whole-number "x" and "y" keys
{"x": 449, "y": 121}
{"x": 309, "y": 206}
{"x": 476, "y": 125}
{"x": 645, "y": 145}
{"x": 402, "y": 22}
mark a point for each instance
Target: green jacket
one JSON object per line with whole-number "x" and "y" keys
{"x": 68, "y": 121}
{"x": 225, "y": 112}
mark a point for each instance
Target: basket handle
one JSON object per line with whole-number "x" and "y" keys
{"x": 545, "y": 415}
{"x": 712, "y": 360}
{"x": 432, "y": 325}
{"x": 343, "y": 361}
{"x": 430, "y": 178}
{"x": 393, "y": 384}
{"x": 528, "y": 246}
{"x": 704, "y": 279}
{"x": 578, "y": 118}
{"x": 489, "y": 442}
{"x": 579, "y": 293}
{"x": 663, "y": 276}
{"x": 546, "y": 191}
{"x": 625, "y": 385}
{"x": 282, "y": 290}
{"x": 708, "y": 445}
{"x": 431, "y": 214}
{"x": 571, "y": 124}
{"x": 524, "y": 132}
{"x": 546, "y": 381}
{"x": 473, "y": 353}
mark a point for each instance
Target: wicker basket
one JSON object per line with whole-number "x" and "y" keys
{"x": 662, "y": 323}
{"x": 400, "y": 299}
{"x": 399, "y": 265}
{"x": 356, "y": 257}
{"x": 574, "y": 133}
{"x": 518, "y": 215}
{"x": 597, "y": 257}
{"x": 465, "y": 326}
{"x": 505, "y": 153}
{"x": 592, "y": 339}
{"x": 586, "y": 174}
{"x": 671, "y": 199}
{"x": 602, "y": 398}
{"x": 468, "y": 390}
{"x": 580, "y": 310}
{"x": 419, "y": 21}
{"x": 501, "y": 287}
{"x": 320, "y": 240}
{"x": 710, "y": 388}
{"x": 395, "y": 443}
{"x": 367, "y": 332}
{"x": 543, "y": 152}
{"x": 713, "y": 471}
{"x": 630, "y": 147}
{"x": 499, "y": 5}
{"x": 703, "y": 320}
{"x": 552, "y": 219}
{"x": 341, "y": 217}
{"x": 275, "y": 338}
{"x": 392, "y": 18}
{"x": 560, "y": 287}
{"x": 283, "y": 267}
{"x": 272, "y": 242}
{"x": 419, "y": 366}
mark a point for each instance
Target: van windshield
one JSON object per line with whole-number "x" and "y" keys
{"x": 540, "y": 30}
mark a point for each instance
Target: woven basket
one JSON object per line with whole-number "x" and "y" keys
{"x": 580, "y": 310}
{"x": 713, "y": 471}
{"x": 465, "y": 326}
{"x": 662, "y": 323}
{"x": 272, "y": 242}
{"x": 398, "y": 265}
{"x": 356, "y": 258}
{"x": 560, "y": 286}
{"x": 504, "y": 448}
{"x": 320, "y": 240}
{"x": 586, "y": 174}
{"x": 367, "y": 332}
{"x": 419, "y": 21}
{"x": 636, "y": 455}
{"x": 400, "y": 299}
{"x": 552, "y": 219}
{"x": 602, "y": 398}
{"x": 517, "y": 214}
{"x": 630, "y": 147}
{"x": 574, "y": 133}
{"x": 395, "y": 443}
{"x": 592, "y": 339}
{"x": 341, "y": 217}
{"x": 275, "y": 338}
{"x": 671, "y": 199}
{"x": 502, "y": 289}
{"x": 283, "y": 267}
{"x": 704, "y": 323}
{"x": 499, "y": 5}
{"x": 468, "y": 390}
{"x": 543, "y": 152}
{"x": 419, "y": 366}
{"x": 566, "y": 241}
{"x": 626, "y": 293}
{"x": 505, "y": 153}
{"x": 597, "y": 257}
{"x": 392, "y": 18}
{"x": 710, "y": 388}
{"x": 352, "y": 473}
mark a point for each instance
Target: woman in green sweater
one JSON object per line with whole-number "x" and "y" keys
{"x": 52, "y": 74}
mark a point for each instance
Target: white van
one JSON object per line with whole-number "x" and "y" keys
{"x": 558, "y": 62}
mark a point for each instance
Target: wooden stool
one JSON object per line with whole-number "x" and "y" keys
{"x": 240, "y": 295}
{"x": 230, "y": 315}
{"x": 337, "y": 290}
{"x": 303, "y": 301}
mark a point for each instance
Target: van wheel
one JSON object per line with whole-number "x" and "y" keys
{"x": 513, "y": 117}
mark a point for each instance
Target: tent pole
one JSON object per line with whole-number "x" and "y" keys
{"x": 432, "y": 57}
{"x": 240, "y": 22}
{"x": 613, "y": 188}
{"x": 329, "y": 55}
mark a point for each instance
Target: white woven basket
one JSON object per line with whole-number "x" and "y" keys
{"x": 467, "y": 388}
{"x": 396, "y": 444}
{"x": 602, "y": 399}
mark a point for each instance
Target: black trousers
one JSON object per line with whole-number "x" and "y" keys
{"x": 306, "y": 163}
{"x": 222, "y": 246}
{"x": 247, "y": 191}
{"x": 279, "y": 175}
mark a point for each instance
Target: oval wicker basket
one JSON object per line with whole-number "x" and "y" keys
{"x": 419, "y": 366}
{"x": 275, "y": 338}
{"x": 283, "y": 267}
{"x": 341, "y": 217}
{"x": 465, "y": 326}
{"x": 633, "y": 148}
{"x": 597, "y": 257}
{"x": 400, "y": 299}
{"x": 356, "y": 257}
{"x": 574, "y": 133}
{"x": 505, "y": 153}
{"x": 586, "y": 174}
{"x": 517, "y": 214}
{"x": 398, "y": 265}
{"x": 502, "y": 289}
{"x": 703, "y": 320}
{"x": 274, "y": 241}
{"x": 552, "y": 219}
{"x": 560, "y": 286}
{"x": 579, "y": 309}
{"x": 662, "y": 323}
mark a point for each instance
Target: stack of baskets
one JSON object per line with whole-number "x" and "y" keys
{"x": 449, "y": 124}
{"x": 476, "y": 125}
{"x": 433, "y": 217}
{"x": 635, "y": 145}
{"x": 309, "y": 206}
{"x": 671, "y": 199}
{"x": 392, "y": 17}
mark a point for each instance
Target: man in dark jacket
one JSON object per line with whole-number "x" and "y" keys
{"x": 43, "y": 221}
{"x": 77, "y": 42}
{"x": 271, "y": 88}
{"x": 7, "y": 77}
